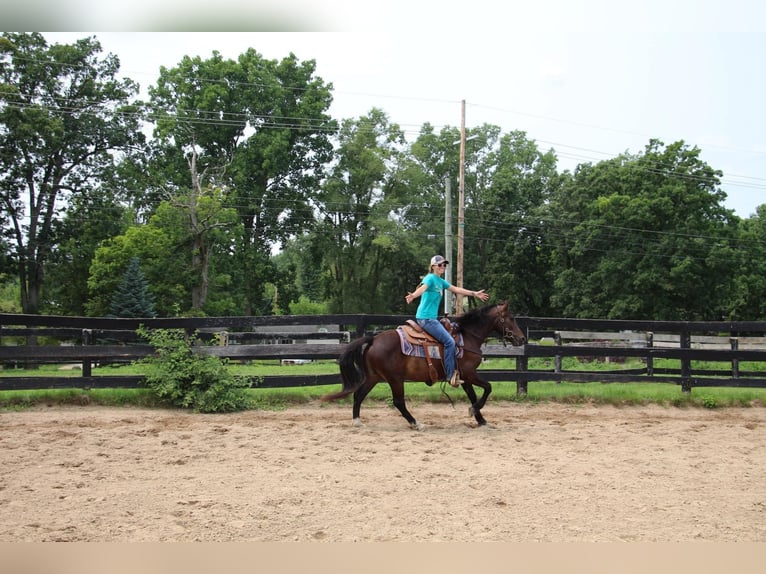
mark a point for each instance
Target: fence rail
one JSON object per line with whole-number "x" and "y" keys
{"x": 39, "y": 339}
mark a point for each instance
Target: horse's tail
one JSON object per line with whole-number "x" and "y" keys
{"x": 352, "y": 368}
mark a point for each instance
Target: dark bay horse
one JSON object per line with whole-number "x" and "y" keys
{"x": 372, "y": 359}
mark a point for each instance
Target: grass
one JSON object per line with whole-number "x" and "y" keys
{"x": 621, "y": 394}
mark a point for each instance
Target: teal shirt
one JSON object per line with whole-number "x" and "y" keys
{"x": 431, "y": 297}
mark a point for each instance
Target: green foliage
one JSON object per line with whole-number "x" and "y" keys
{"x": 91, "y": 218}
{"x": 164, "y": 269}
{"x": 709, "y": 402}
{"x": 267, "y": 155}
{"x": 643, "y": 237}
{"x": 181, "y": 377}
{"x": 748, "y": 299}
{"x": 10, "y": 302}
{"x": 356, "y": 204}
{"x": 512, "y": 220}
{"x": 132, "y": 298}
{"x": 243, "y": 148}
{"x": 64, "y": 118}
{"x": 305, "y": 307}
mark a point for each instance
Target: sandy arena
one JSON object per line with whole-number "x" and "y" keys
{"x": 547, "y": 472}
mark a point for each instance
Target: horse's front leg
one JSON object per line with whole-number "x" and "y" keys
{"x": 397, "y": 393}
{"x": 477, "y": 403}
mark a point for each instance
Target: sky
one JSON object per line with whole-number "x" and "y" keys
{"x": 590, "y": 79}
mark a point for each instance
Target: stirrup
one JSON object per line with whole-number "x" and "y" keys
{"x": 455, "y": 380}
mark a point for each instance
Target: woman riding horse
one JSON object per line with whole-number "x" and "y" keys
{"x": 427, "y": 315}
{"x": 374, "y": 358}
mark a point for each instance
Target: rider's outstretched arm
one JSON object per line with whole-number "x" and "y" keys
{"x": 461, "y": 291}
{"x": 417, "y": 293}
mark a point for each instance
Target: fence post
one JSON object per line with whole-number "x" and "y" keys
{"x": 686, "y": 364}
{"x": 735, "y": 361}
{"x": 87, "y": 339}
{"x": 557, "y": 358}
{"x": 522, "y": 364}
{"x": 649, "y": 358}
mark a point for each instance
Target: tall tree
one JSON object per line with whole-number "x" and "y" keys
{"x": 643, "y": 237}
{"x": 276, "y": 176}
{"x": 510, "y": 216}
{"x": 357, "y": 225}
{"x": 63, "y": 115}
{"x": 747, "y": 300}
{"x": 256, "y": 129}
{"x": 91, "y": 219}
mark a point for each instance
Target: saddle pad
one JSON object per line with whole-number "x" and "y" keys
{"x": 417, "y": 350}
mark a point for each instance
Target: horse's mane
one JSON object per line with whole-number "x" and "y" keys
{"x": 476, "y": 316}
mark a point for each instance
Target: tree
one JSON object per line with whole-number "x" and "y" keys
{"x": 357, "y": 225}
{"x": 510, "y": 217}
{"x": 132, "y": 298}
{"x": 163, "y": 247}
{"x": 256, "y": 129}
{"x": 91, "y": 219}
{"x": 747, "y": 301}
{"x": 276, "y": 176}
{"x": 159, "y": 253}
{"x": 643, "y": 237}
{"x": 63, "y": 116}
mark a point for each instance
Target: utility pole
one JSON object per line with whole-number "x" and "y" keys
{"x": 448, "y": 242}
{"x": 460, "y": 211}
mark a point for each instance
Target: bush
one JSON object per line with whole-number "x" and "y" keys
{"x": 181, "y": 377}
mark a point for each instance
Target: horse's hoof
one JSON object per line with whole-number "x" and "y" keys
{"x": 356, "y": 423}
{"x": 471, "y": 412}
{"x": 418, "y": 426}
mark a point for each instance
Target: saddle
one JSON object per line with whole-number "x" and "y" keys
{"x": 414, "y": 335}
{"x": 417, "y": 336}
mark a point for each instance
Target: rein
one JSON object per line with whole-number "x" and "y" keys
{"x": 467, "y": 350}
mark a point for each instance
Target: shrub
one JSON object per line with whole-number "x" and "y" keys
{"x": 181, "y": 377}
{"x": 709, "y": 403}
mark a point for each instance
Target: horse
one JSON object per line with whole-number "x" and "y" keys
{"x": 371, "y": 359}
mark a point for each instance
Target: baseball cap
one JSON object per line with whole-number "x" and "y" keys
{"x": 436, "y": 259}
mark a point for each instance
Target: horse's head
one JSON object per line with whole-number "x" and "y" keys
{"x": 506, "y": 325}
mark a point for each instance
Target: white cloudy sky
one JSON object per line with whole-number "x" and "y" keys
{"x": 589, "y": 78}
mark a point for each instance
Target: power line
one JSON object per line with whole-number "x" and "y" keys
{"x": 258, "y": 85}
{"x": 214, "y": 118}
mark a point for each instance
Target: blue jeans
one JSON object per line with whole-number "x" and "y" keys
{"x": 436, "y": 329}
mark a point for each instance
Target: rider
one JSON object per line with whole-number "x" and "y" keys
{"x": 427, "y": 315}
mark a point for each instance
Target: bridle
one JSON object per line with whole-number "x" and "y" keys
{"x": 506, "y": 332}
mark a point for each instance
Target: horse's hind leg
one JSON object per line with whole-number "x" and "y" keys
{"x": 359, "y": 396}
{"x": 397, "y": 392}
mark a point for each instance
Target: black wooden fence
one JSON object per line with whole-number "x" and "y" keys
{"x": 83, "y": 341}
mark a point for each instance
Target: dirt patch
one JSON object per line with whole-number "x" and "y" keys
{"x": 540, "y": 473}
